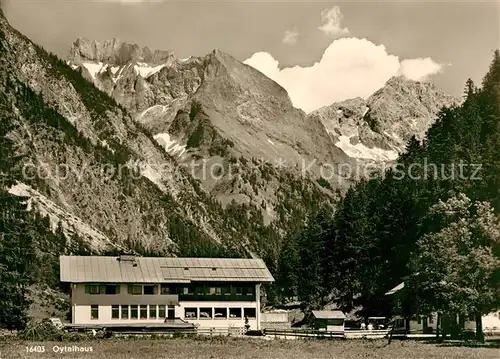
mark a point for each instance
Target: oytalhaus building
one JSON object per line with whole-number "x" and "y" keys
{"x": 207, "y": 292}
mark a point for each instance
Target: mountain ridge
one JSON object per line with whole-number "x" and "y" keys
{"x": 218, "y": 109}
{"x": 378, "y": 128}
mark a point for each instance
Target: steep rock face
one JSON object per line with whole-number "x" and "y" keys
{"x": 244, "y": 123}
{"x": 256, "y": 114}
{"x": 216, "y": 112}
{"x": 152, "y": 85}
{"x": 116, "y": 52}
{"x": 90, "y": 166}
{"x": 245, "y": 106}
{"x": 379, "y": 128}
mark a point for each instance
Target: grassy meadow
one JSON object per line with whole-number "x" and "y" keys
{"x": 249, "y": 348}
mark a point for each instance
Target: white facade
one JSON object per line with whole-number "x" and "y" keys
{"x": 154, "y": 308}
{"x": 491, "y": 323}
{"x": 127, "y": 289}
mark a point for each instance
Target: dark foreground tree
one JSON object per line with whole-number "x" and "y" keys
{"x": 17, "y": 259}
{"x": 456, "y": 268}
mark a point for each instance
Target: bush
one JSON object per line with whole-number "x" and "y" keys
{"x": 46, "y": 331}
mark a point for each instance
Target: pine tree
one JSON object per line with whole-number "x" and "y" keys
{"x": 470, "y": 89}
{"x": 17, "y": 238}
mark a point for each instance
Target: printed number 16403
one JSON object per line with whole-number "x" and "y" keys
{"x": 35, "y": 349}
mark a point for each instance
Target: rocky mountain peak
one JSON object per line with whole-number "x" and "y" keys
{"x": 244, "y": 78}
{"x": 115, "y": 52}
{"x": 379, "y": 127}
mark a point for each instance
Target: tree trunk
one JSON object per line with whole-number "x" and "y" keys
{"x": 461, "y": 324}
{"x": 407, "y": 325}
{"x": 479, "y": 327}
{"x": 438, "y": 324}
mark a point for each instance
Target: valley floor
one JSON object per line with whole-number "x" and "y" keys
{"x": 243, "y": 349}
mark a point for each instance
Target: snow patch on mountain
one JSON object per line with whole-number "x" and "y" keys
{"x": 145, "y": 70}
{"x": 152, "y": 174}
{"x": 93, "y": 68}
{"x": 152, "y": 108}
{"x": 171, "y": 146}
{"x": 114, "y": 69}
{"x": 361, "y": 151}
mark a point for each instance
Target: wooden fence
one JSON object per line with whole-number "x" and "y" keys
{"x": 226, "y": 331}
{"x": 311, "y": 333}
{"x": 366, "y": 334}
{"x": 304, "y": 333}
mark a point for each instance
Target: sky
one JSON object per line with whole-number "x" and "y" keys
{"x": 320, "y": 51}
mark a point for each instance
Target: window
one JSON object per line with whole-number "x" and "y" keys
{"x": 152, "y": 312}
{"x": 218, "y": 291}
{"x": 235, "y": 313}
{"x": 211, "y": 291}
{"x": 150, "y": 289}
{"x": 135, "y": 289}
{"x": 250, "y": 313}
{"x": 250, "y": 290}
{"x": 431, "y": 319}
{"x": 191, "y": 313}
{"x": 94, "y": 312}
{"x": 226, "y": 290}
{"x": 143, "y": 311}
{"x": 94, "y": 289}
{"x": 161, "y": 312}
{"x": 200, "y": 291}
{"x": 115, "y": 312}
{"x": 187, "y": 291}
{"x": 205, "y": 313}
{"x": 112, "y": 289}
{"x": 134, "y": 311}
{"x": 165, "y": 289}
{"x": 239, "y": 291}
{"x": 124, "y": 311}
{"x": 220, "y": 313}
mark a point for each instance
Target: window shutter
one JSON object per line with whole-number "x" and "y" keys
{"x": 130, "y": 289}
{"x": 118, "y": 288}
{"x": 102, "y": 289}
{"x": 87, "y": 289}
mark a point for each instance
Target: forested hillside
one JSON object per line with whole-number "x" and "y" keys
{"x": 365, "y": 248}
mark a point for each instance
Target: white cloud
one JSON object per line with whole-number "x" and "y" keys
{"x": 290, "y": 37}
{"x": 419, "y": 69}
{"x": 331, "y": 22}
{"x": 350, "y": 67}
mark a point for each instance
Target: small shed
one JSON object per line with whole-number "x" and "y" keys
{"x": 329, "y": 320}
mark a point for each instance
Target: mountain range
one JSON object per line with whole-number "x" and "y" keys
{"x": 204, "y": 151}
